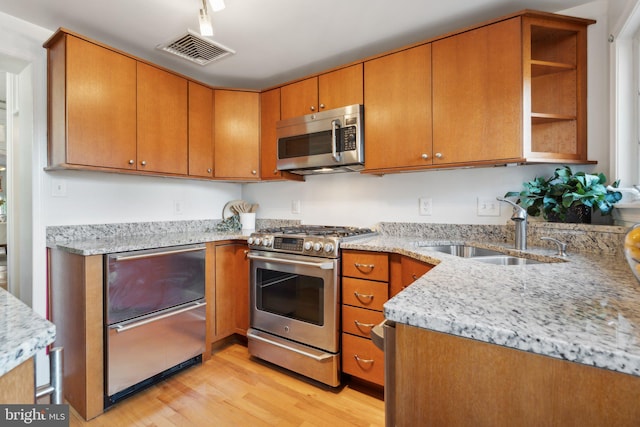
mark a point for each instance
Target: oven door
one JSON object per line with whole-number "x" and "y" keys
{"x": 297, "y": 298}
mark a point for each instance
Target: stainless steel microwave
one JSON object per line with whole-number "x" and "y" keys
{"x": 324, "y": 142}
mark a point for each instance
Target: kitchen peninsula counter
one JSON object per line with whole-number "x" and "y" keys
{"x": 22, "y": 332}
{"x": 584, "y": 308}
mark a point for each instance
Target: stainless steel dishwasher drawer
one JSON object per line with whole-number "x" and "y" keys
{"x": 145, "y": 346}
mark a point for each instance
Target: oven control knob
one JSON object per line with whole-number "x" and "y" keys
{"x": 317, "y": 247}
{"x": 328, "y": 248}
{"x": 250, "y": 240}
{"x": 307, "y": 246}
{"x": 257, "y": 241}
{"x": 266, "y": 242}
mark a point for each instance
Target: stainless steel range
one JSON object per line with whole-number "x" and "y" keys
{"x": 295, "y": 298}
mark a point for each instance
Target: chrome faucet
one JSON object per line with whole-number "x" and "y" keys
{"x": 519, "y": 217}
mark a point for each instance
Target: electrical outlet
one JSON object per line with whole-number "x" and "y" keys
{"x": 488, "y": 207}
{"x": 59, "y": 188}
{"x": 178, "y": 207}
{"x": 295, "y": 206}
{"x": 425, "y": 205}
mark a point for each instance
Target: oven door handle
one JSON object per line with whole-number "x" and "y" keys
{"x": 125, "y": 326}
{"x": 321, "y": 265}
{"x": 324, "y": 356}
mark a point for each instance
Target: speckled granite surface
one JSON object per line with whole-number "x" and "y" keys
{"x": 22, "y": 332}
{"x": 584, "y": 310}
{"x": 98, "y": 239}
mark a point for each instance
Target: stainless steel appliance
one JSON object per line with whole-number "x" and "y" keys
{"x": 155, "y": 316}
{"x": 295, "y": 298}
{"x": 325, "y": 142}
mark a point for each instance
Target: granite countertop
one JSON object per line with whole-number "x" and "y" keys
{"x": 124, "y": 243}
{"x": 22, "y": 332}
{"x": 585, "y": 308}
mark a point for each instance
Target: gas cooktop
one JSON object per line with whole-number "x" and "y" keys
{"x": 314, "y": 240}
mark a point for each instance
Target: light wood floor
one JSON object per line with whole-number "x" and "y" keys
{"x": 231, "y": 389}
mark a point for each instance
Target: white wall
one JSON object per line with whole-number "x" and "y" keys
{"x": 355, "y": 199}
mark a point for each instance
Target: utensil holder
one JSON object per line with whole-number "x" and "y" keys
{"x": 248, "y": 220}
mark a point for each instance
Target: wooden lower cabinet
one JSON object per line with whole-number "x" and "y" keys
{"x": 231, "y": 290}
{"x": 18, "y": 385}
{"x": 444, "y": 380}
{"x": 362, "y": 359}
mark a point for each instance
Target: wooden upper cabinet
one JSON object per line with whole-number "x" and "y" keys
{"x": 269, "y": 116}
{"x": 299, "y": 98}
{"x": 237, "y": 134}
{"x": 200, "y": 130}
{"x": 334, "y": 89}
{"x": 162, "y": 121}
{"x": 96, "y": 87}
{"x": 555, "y": 82}
{"x": 341, "y": 87}
{"x": 478, "y": 95}
{"x": 398, "y": 122}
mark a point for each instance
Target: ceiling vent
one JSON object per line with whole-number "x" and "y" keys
{"x": 195, "y": 48}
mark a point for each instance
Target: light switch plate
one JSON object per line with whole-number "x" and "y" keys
{"x": 488, "y": 206}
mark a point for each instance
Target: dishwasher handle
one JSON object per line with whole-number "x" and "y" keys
{"x": 125, "y": 326}
{"x": 129, "y": 257}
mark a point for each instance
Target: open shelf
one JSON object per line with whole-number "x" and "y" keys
{"x": 540, "y": 118}
{"x": 542, "y": 68}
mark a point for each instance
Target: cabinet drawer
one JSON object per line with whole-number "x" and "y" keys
{"x": 364, "y": 293}
{"x": 362, "y": 359}
{"x": 359, "y": 321}
{"x": 365, "y": 265}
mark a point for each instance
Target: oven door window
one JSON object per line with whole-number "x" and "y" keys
{"x": 291, "y": 295}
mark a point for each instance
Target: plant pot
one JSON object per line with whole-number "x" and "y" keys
{"x": 576, "y": 214}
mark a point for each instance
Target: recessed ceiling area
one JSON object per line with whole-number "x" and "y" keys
{"x": 275, "y": 41}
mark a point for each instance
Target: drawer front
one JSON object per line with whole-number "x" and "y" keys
{"x": 362, "y": 359}
{"x": 365, "y": 265}
{"x": 364, "y": 293}
{"x": 359, "y": 321}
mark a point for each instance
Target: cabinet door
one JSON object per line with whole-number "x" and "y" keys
{"x": 477, "y": 95}
{"x": 397, "y": 89}
{"x": 101, "y": 106}
{"x": 232, "y": 290}
{"x": 237, "y": 134}
{"x": 341, "y": 87}
{"x": 200, "y": 130}
{"x": 269, "y": 116}
{"x": 299, "y": 98}
{"x": 162, "y": 121}
{"x": 412, "y": 270}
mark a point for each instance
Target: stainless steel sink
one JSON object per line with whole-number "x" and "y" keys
{"x": 507, "y": 260}
{"x": 485, "y": 255}
{"x": 464, "y": 251}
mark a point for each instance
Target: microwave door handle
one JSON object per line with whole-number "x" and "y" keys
{"x": 335, "y": 126}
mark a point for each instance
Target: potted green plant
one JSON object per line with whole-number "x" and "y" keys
{"x": 567, "y": 196}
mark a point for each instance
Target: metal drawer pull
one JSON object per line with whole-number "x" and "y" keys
{"x": 363, "y": 360}
{"x": 359, "y": 266}
{"x": 414, "y": 277}
{"x": 159, "y": 253}
{"x": 123, "y": 327}
{"x": 363, "y": 325}
{"x": 359, "y": 296}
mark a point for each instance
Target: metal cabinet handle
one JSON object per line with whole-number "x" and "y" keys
{"x": 321, "y": 105}
{"x": 158, "y": 253}
{"x": 425, "y": 156}
{"x": 275, "y": 171}
{"x": 367, "y": 296}
{"x": 312, "y": 108}
{"x": 125, "y": 326}
{"x": 253, "y": 172}
{"x": 209, "y": 170}
{"x": 439, "y": 155}
{"x": 143, "y": 163}
{"x": 414, "y": 277}
{"x": 360, "y": 325}
{"x": 131, "y": 161}
{"x": 369, "y": 267}
{"x": 359, "y": 360}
